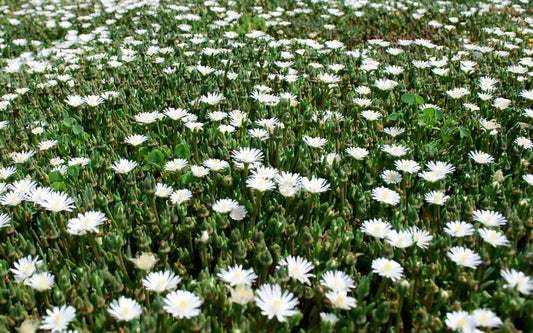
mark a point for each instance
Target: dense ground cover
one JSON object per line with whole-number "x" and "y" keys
{"x": 270, "y": 166}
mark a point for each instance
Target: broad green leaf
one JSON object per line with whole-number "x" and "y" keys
{"x": 438, "y": 115}
{"x": 69, "y": 122}
{"x": 430, "y": 112}
{"x": 188, "y": 178}
{"x": 155, "y": 157}
{"x": 463, "y": 132}
{"x": 394, "y": 116}
{"x": 411, "y": 99}
{"x": 55, "y": 176}
{"x": 73, "y": 171}
{"x": 77, "y": 129}
{"x": 182, "y": 151}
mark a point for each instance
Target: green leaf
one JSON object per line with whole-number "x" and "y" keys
{"x": 73, "y": 171}
{"x": 182, "y": 151}
{"x": 55, "y": 177}
{"x": 430, "y": 112}
{"x": 97, "y": 279}
{"x": 155, "y": 157}
{"x": 364, "y": 288}
{"x": 424, "y": 118}
{"x": 438, "y": 115}
{"x": 188, "y": 178}
{"x": 77, "y": 129}
{"x": 69, "y": 122}
{"x": 58, "y": 186}
{"x": 394, "y": 116}
{"x": 463, "y": 132}
{"x": 411, "y": 99}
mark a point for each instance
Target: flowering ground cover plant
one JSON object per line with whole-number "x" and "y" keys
{"x": 275, "y": 166}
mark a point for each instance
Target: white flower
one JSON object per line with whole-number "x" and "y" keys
{"x": 259, "y": 183}
{"x": 125, "y": 309}
{"x": 328, "y": 78}
{"x": 457, "y": 93}
{"x": 357, "y": 153}
{"x": 489, "y": 218}
{"x": 481, "y": 157}
{"x": 391, "y": 177}
{"x": 385, "y": 84}
{"x": 242, "y": 294}
{"x": 371, "y": 115}
{"x": 147, "y": 117}
{"x": 58, "y": 319}
{"x": 459, "y": 229}
{"x": 212, "y": 98}
{"x": 93, "y": 100}
{"x": 340, "y": 300}
{"x": 385, "y": 195}
{"x": 493, "y": 237}
{"x": 57, "y": 202}
{"x": 460, "y": 320}
{"x": 315, "y": 142}
{"x": 135, "y": 139}
{"x": 431, "y": 176}
{"x": 314, "y": 185}
{"x": 176, "y": 164}
{"x": 436, "y": 197}
{"x": 74, "y": 100}
{"x": 145, "y": 261}
{"x": 163, "y": 190}
{"x": 387, "y": 268}
{"x": 21, "y": 157}
{"x": 238, "y": 213}
{"x": 25, "y": 267}
{"x": 215, "y": 164}
{"x": 393, "y": 131}
{"x": 440, "y": 168}
{"x": 376, "y": 228}
{"x": 464, "y": 257}
{"x": 528, "y": 178}
{"x": 124, "y": 166}
{"x": 395, "y": 150}
{"x": 223, "y": 206}
{"x": 408, "y": 166}
{"x": 182, "y": 304}
{"x": 247, "y": 155}
{"x": 524, "y": 142}
{"x": 4, "y": 220}
{"x": 337, "y": 281}
{"x": 400, "y": 239}
{"x": 273, "y": 302}
{"x": 486, "y": 318}
{"x": 40, "y": 281}
{"x": 330, "y": 318}
{"x": 420, "y": 237}
{"x": 199, "y": 171}
{"x": 85, "y": 223}
{"x": 47, "y": 144}
{"x": 501, "y": 103}
{"x": 298, "y": 268}
{"x": 521, "y": 281}
{"x": 180, "y": 196}
{"x": 236, "y": 275}
{"x": 161, "y": 281}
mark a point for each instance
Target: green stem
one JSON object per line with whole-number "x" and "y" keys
{"x": 92, "y": 241}
{"x": 154, "y": 209}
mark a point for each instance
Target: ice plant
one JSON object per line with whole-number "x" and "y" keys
{"x": 182, "y": 304}
{"x": 275, "y": 303}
